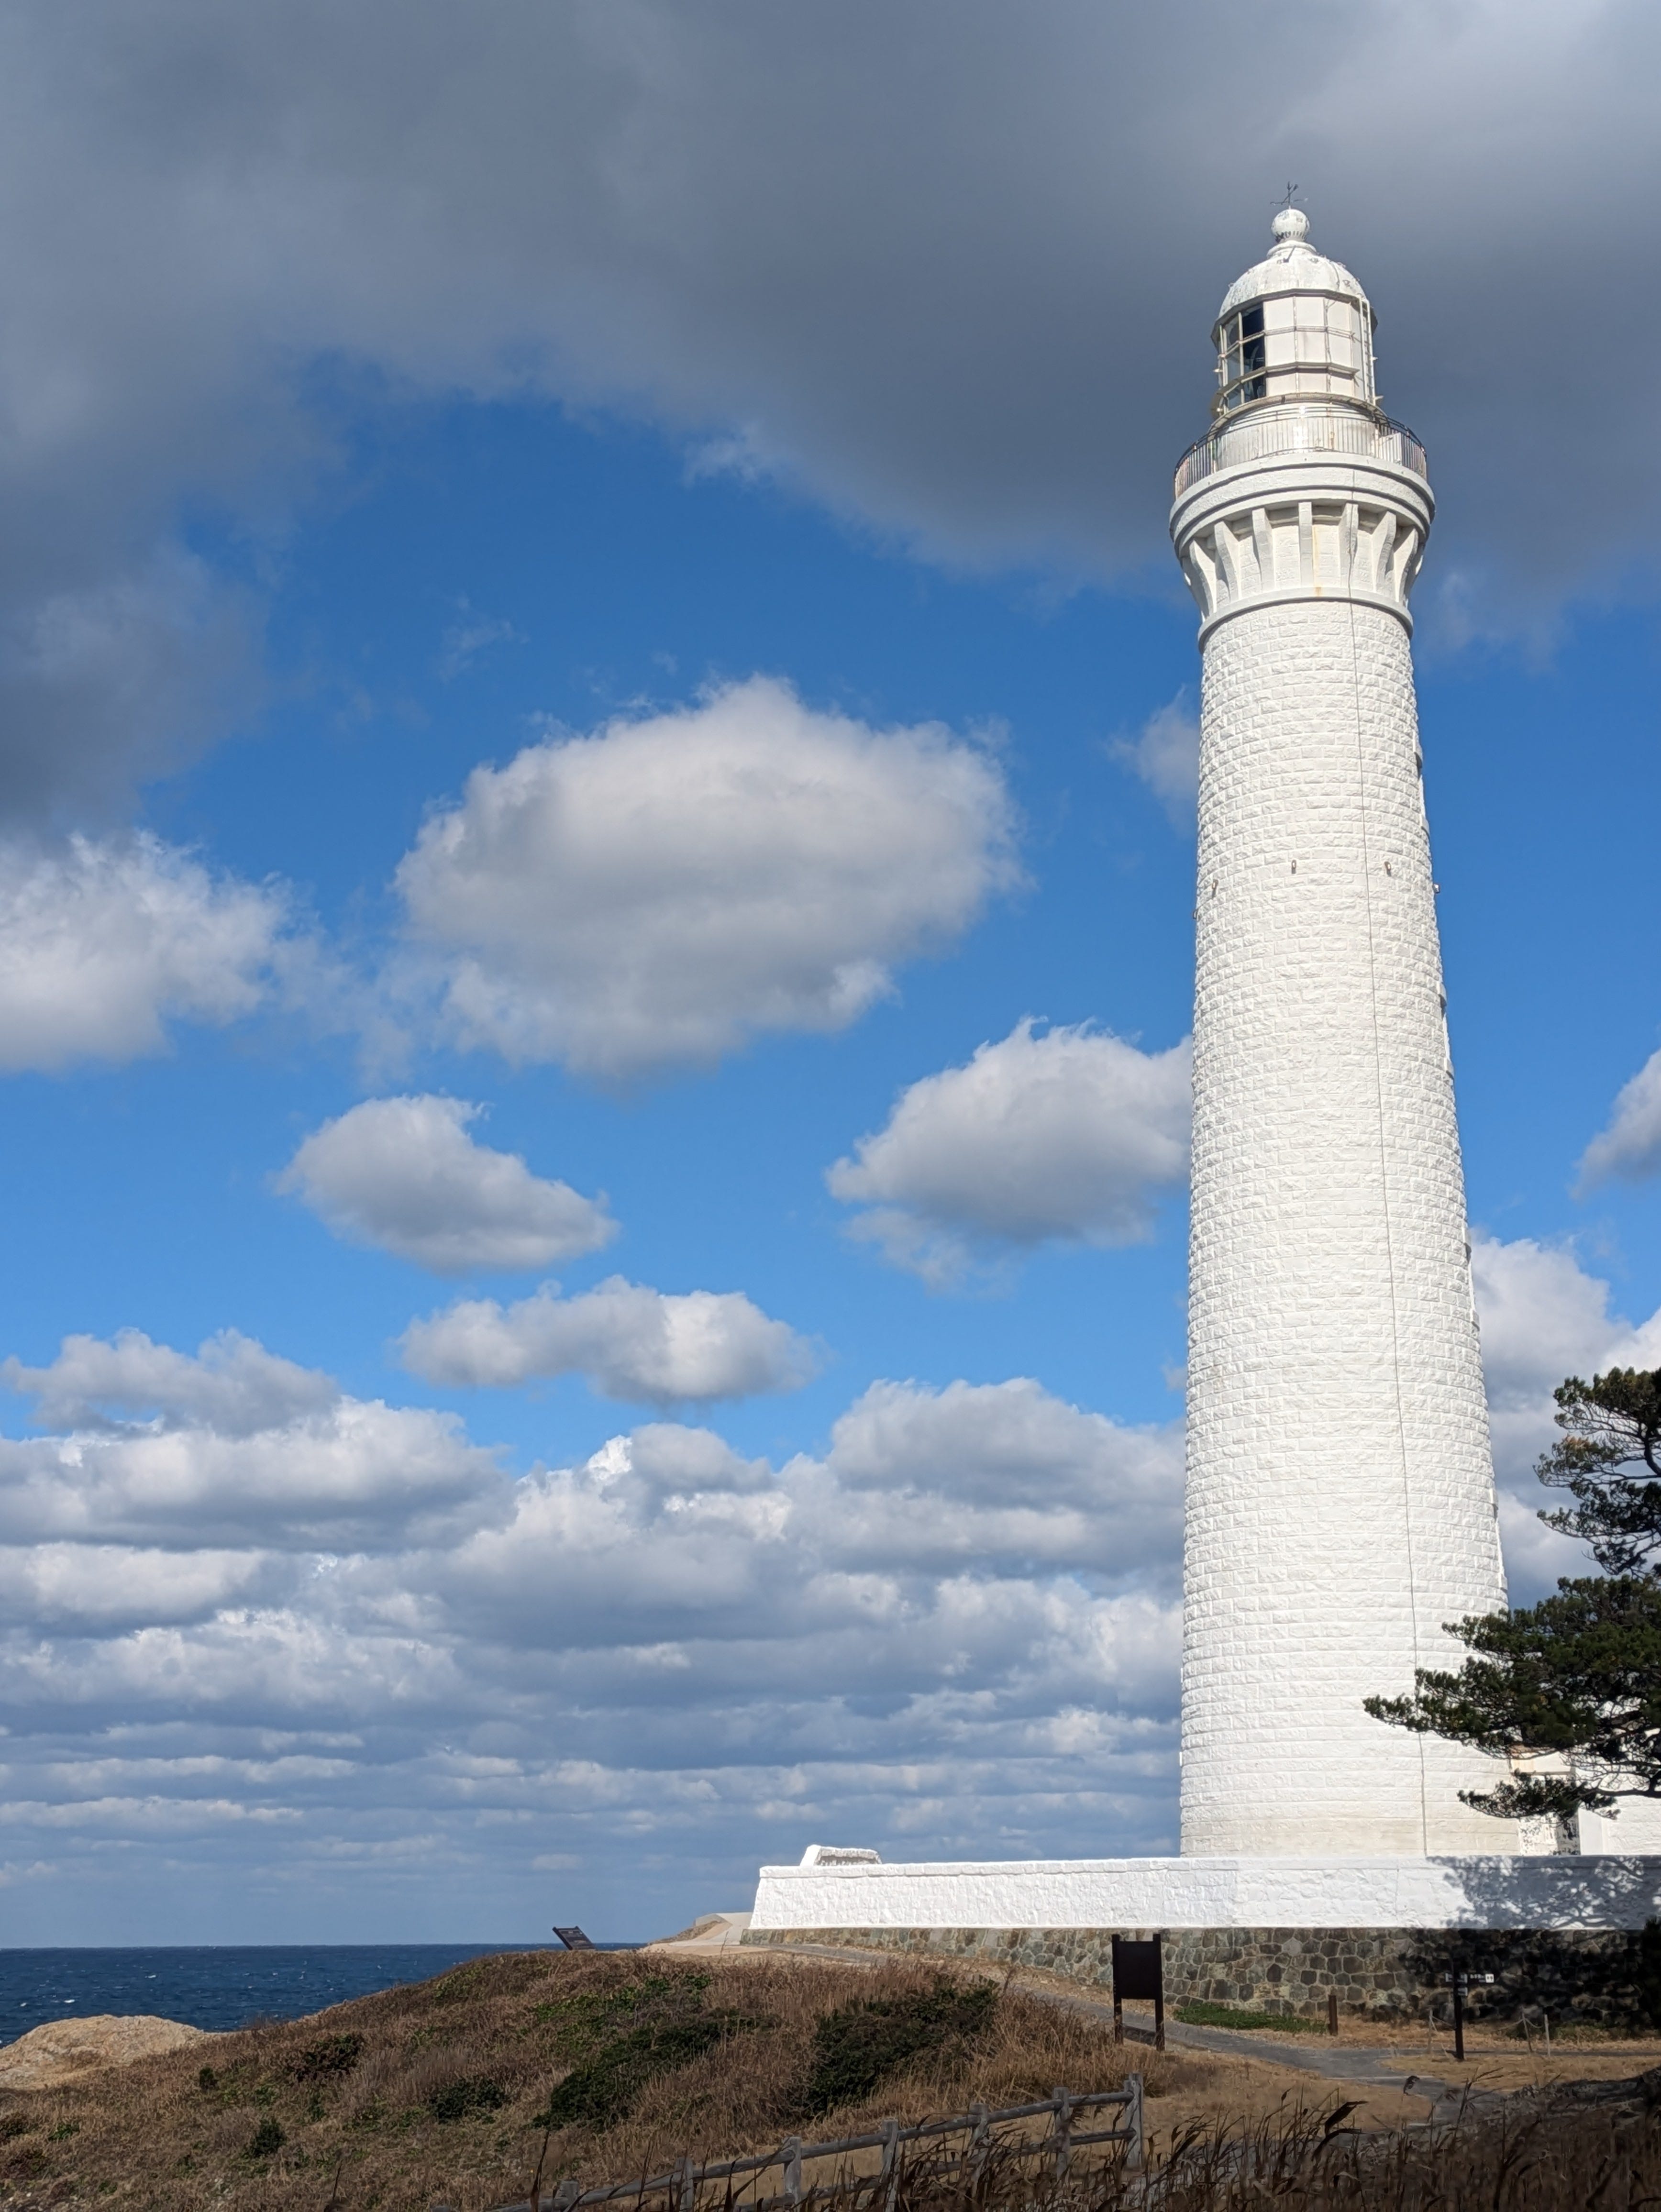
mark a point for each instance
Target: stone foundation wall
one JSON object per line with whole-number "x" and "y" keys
{"x": 1592, "y": 1975}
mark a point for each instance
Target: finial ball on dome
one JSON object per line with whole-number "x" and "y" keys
{"x": 1291, "y": 226}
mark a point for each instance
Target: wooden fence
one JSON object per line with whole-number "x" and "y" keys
{"x": 679, "y": 2188}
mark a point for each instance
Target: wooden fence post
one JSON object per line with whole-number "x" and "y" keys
{"x": 890, "y": 2164}
{"x": 1136, "y": 2147}
{"x": 1063, "y": 2133}
{"x": 680, "y": 2185}
{"x": 980, "y": 2142}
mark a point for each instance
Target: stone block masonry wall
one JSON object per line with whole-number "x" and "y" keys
{"x": 1340, "y": 1501}
{"x": 1592, "y": 1975}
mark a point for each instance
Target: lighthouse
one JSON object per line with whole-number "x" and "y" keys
{"x": 1340, "y": 1505}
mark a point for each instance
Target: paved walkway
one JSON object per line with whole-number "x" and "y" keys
{"x": 711, "y": 1931}
{"x": 1355, "y": 2065}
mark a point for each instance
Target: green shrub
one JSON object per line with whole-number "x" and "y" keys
{"x": 329, "y": 2058}
{"x": 1646, "y": 1970}
{"x": 603, "y": 2089}
{"x": 861, "y": 2045}
{"x": 474, "y": 2092}
{"x": 266, "y": 2138}
{"x": 206, "y": 2079}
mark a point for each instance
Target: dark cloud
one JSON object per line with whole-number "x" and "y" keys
{"x": 948, "y": 266}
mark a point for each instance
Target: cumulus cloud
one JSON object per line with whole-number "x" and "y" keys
{"x": 1630, "y": 1147}
{"x": 1003, "y": 1442}
{"x": 632, "y": 1343}
{"x": 1542, "y": 1317}
{"x": 1049, "y": 1134}
{"x": 659, "y": 890}
{"x": 1165, "y": 754}
{"x": 231, "y": 1445}
{"x": 404, "y": 1175}
{"x": 103, "y": 943}
{"x": 975, "y": 1485}
{"x": 231, "y": 1596}
{"x": 951, "y": 307}
{"x": 231, "y": 1384}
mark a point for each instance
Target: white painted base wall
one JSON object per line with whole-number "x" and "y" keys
{"x": 1544, "y": 1893}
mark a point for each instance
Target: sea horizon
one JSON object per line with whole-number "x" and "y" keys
{"x": 219, "y": 1986}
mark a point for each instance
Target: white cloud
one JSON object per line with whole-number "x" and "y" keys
{"x": 631, "y": 1342}
{"x": 1165, "y": 754}
{"x": 114, "y": 1586}
{"x": 102, "y": 944}
{"x": 660, "y": 890}
{"x": 1060, "y": 1132}
{"x": 1631, "y": 1145}
{"x": 404, "y": 1175}
{"x": 1005, "y": 1443}
{"x": 1542, "y": 1317}
{"x": 225, "y": 1588}
{"x": 670, "y": 1526}
{"x": 231, "y": 1384}
{"x": 231, "y": 1446}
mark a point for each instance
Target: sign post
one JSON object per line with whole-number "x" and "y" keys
{"x": 1139, "y": 1974}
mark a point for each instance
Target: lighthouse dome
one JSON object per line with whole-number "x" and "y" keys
{"x": 1296, "y": 325}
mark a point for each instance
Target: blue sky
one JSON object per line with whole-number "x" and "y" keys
{"x": 586, "y": 636}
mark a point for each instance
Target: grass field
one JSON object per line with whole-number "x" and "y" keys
{"x": 454, "y": 2092}
{"x": 447, "y": 2091}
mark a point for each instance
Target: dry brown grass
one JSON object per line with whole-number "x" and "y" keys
{"x": 365, "y": 2137}
{"x": 1553, "y": 2152}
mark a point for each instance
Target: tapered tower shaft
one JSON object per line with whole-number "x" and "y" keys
{"x": 1340, "y": 1503}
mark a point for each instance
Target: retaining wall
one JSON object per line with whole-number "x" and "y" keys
{"x": 1602, "y": 1976}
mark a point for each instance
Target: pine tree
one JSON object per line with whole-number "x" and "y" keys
{"x": 1610, "y": 1424}
{"x": 1578, "y": 1676}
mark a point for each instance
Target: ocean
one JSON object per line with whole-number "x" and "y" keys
{"x": 218, "y": 1986}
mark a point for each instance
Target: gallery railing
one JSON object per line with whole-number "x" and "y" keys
{"x": 1289, "y": 430}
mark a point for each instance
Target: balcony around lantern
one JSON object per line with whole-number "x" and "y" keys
{"x": 1258, "y": 436}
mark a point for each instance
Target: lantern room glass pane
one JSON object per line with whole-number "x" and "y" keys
{"x": 1244, "y": 358}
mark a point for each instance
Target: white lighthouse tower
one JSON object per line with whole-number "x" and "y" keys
{"x": 1341, "y": 1503}
{"x": 1340, "y": 1498}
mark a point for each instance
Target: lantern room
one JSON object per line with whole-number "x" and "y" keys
{"x": 1295, "y": 326}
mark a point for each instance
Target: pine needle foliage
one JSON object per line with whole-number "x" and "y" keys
{"x": 1573, "y": 1683}
{"x": 1609, "y": 1424}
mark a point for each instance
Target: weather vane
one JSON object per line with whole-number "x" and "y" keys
{"x": 1292, "y": 193}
